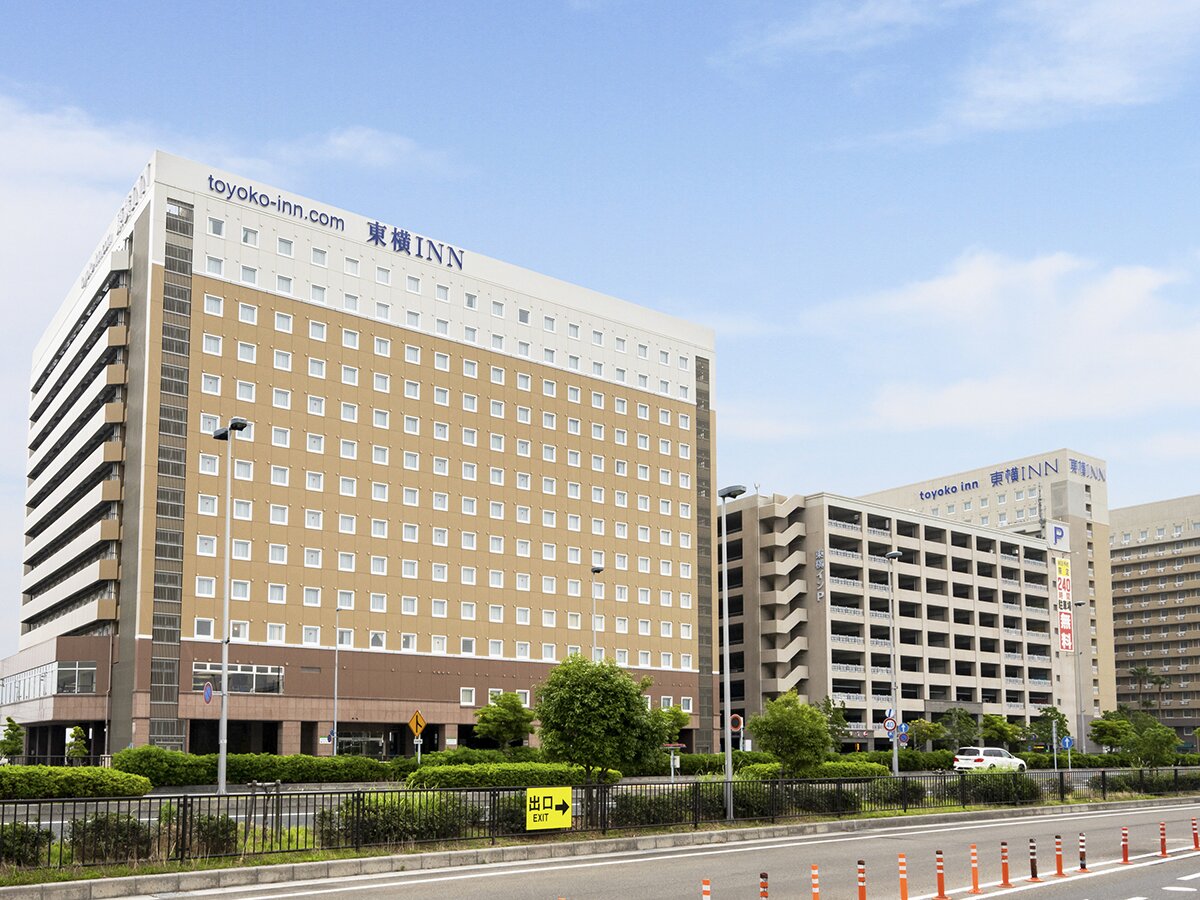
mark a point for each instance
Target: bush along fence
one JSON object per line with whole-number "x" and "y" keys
{"x": 266, "y": 820}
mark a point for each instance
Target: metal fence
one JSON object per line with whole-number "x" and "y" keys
{"x": 45, "y": 759}
{"x": 266, "y": 820}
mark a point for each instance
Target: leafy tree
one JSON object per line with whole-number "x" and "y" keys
{"x": 1196, "y": 736}
{"x": 505, "y": 720}
{"x": 921, "y": 732}
{"x": 595, "y": 716}
{"x": 1114, "y": 733}
{"x": 797, "y": 734}
{"x": 13, "y": 741}
{"x": 961, "y": 728}
{"x": 835, "y": 715}
{"x": 1155, "y": 745}
{"x": 77, "y": 747}
{"x": 1050, "y": 722}
{"x": 998, "y": 730}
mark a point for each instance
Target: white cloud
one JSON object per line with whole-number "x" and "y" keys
{"x": 1058, "y": 61}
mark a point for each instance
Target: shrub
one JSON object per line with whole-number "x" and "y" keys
{"x": 22, "y": 844}
{"x": 824, "y": 798}
{"x": 670, "y": 807}
{"x": 507, "y": 815}
{"x": 771, "y": 771}
{"x": 1001, "y": 787}
{"x": 909, "y": 760}
{"x": 396, "y": 818}
{"x": 400, "y": 767}
{"x": 41, "y": 782}
{"x": 501, "y": 775}
{"x": 851, "y": 768}
{"x": 714, "y": 763}
{"x": 214, "y": 836}
{"x": 1150, "y": 781}
{"x": 170, "y": 768}
{"x": 895, "y": 792}
{"x": 109, "y": 837}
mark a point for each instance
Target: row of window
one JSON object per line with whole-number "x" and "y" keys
{"x": 276, "y": 633}
{"x": 206, "y": 585}
{"x": 383, "y": 276}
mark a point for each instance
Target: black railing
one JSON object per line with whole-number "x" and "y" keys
{"x": 46, "y": 759}
{"x": 266, "y": 820}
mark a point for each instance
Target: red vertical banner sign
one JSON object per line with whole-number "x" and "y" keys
{"x": 1066, "y": 625}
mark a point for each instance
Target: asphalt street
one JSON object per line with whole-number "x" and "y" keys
{"x": 734, "y": 869}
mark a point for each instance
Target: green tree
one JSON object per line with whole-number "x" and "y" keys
{"x": 997, "y": 730}
{"x": 1159, "y": 682}
{"x": 1138, "y": 678}
{"x": 1155, "y": 745}
{"x": 1196, "y": 737}
{"x": 796, "y": 733}
{"x": 595, "y": 716}
{"x": 505, "y": 720}
{"x": 921, "y": 732}
{"x": 13, "y": 742}
{"x": 1050, "y": 722}
{"x": 961, "y": 728}
{"x": 1114, "y": 733}
{"x": 835, "y": 716}
{"x": 77, "y": 747}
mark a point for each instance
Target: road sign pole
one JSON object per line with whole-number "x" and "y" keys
{"x": 417, "y": 742}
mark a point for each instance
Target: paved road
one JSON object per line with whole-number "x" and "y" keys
{"x": 734, "y": 869}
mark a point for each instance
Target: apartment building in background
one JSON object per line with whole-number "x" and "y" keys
{"x": 1155, "y": 551}
{"x": 811, "y": 609}
{"x": 449, "y": 460}
{"x": 1062, "y": 496}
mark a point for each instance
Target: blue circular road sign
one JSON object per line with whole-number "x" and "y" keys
{"x": 1068, "y": 742}
{"x": 208, "y": 692}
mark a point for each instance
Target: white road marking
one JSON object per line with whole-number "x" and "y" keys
{"x": 1191, "y": 877}
{"x": 1182, "y": 890}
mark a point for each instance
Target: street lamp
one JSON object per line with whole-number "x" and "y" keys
{"x": 337, "y": 646}
{"x": 730, "y": 493}
{"x": 894, "y": 611}
{"x": 1082, "y": 740}
{"x": 596, "y": 570}
{"x": 236, "y": 423}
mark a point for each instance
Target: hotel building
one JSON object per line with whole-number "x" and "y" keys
{"x": 1155, "y": 549}
{"x": 449, "y": 461}
{"x": 1061, "y": 496}
{"x": 812, "y": 606}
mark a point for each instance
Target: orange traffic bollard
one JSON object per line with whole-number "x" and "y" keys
{"x": 1033, "y": 875}
{"x": 862, "y": 879}
{"x": 762, "y": 885}
{"x": 1082, "y": 852}
{"x": 1058, "y": 857}
{"x": 974, "y": 871}
{"x": 903, "y": 877}
{"x": 1124, "y": 846}
{"x": 1162, "y": 838}
{"x": 1195, "y": 836}
{"x": 705, "y": 888}
{"x": 941, "y": 877}
{"x": 1004, "y": 882}
{"x": 816, "y": 884}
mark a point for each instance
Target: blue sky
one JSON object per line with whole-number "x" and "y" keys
{"x": 930, "y": 235}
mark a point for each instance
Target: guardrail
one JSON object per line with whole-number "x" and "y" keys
{"x": 266, "y": 820}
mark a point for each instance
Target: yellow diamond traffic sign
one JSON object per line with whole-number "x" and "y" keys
{"x": 547, "y": 807}
{"x": 417, "y": 723}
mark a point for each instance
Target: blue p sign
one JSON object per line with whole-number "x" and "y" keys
{"x": 1059, "y": 534}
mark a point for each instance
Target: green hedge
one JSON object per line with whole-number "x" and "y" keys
{"x": 397, "y": 818}
{"x": 832, "y": 769}
{"x": 714, "y": 763}
{"x": 1002, "y": 787}
{"x": 40, "y": 782}
{"x": 485, "y": 775}
{"x": 24, "y": 845}
{"x": 1080, "y": 760}
{"x": 910, "y": 760}
{"x": 109, "y": 837}
{"x": 1149, "y": 781}
{"x": 170, "y": 768}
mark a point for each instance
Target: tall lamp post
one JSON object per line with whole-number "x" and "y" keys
{"x": 337, "y": 646}
{"x": 236, "y": 423}
{"x": 596, "y": 570}
{"x": 894, "y": 612}
{"x": 730, "y": 493}
{"x": 1079, "y": 696}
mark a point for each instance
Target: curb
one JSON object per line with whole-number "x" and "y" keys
{"x": 266, "y": 873}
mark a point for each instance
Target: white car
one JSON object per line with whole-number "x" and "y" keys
{"x": 969, "y": 759}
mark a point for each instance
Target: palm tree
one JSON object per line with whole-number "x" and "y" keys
{"x": 1139, "y": 676}
{"x": 1160, "y": 682}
